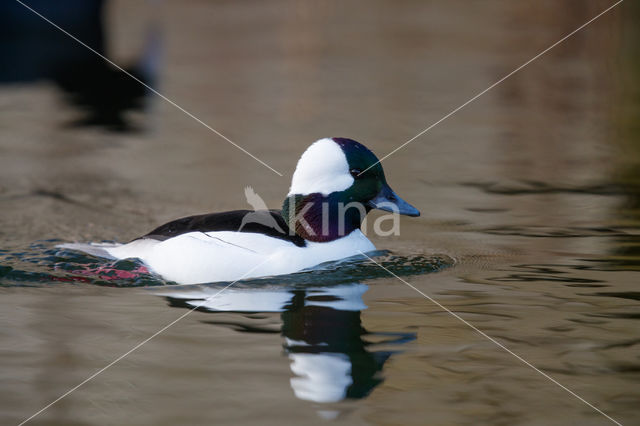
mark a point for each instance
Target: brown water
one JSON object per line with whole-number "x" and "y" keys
{"x": 530, "y": 228}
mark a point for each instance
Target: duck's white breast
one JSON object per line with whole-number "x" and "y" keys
{"x": 198, "y": 257}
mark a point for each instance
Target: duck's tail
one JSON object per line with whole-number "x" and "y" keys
{"x": 94, "y": 249}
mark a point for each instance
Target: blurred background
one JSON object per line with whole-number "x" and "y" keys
{"x": 533, "y": 189}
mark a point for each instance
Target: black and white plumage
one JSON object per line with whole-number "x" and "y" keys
{"x": 266, "y": 222}
{"x": 246, "y": 244}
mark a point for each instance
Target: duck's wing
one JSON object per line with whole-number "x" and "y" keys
{"x": 260, "y": 222}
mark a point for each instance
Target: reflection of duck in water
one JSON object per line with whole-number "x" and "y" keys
{"x": 323, "y": 334}
{"x": 322, "y": 330}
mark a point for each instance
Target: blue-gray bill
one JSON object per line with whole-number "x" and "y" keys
{"x": 389, "y": 201}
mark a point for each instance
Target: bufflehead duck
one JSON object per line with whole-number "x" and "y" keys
{"x": 319, "y": 222}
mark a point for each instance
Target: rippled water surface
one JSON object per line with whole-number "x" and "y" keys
{"x": 530, "y": 201}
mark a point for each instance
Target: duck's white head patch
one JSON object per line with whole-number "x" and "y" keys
{"x": 322, "y": 168}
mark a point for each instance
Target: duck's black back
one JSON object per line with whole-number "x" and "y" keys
{"x": 266, "y": 222}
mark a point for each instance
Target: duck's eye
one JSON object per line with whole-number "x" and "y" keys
{"x": 355, "y": 173}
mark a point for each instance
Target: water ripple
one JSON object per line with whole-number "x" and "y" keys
{"x": 44, "y": 264}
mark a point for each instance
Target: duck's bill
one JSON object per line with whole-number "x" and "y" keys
{"x": 389, "y": 201}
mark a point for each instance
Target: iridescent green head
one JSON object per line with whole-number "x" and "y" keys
{"x": 336, "y": 182}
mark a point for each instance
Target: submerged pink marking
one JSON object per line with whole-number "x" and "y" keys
{"x": 107, "y": 273}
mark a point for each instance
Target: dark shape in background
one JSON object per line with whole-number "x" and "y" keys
{"x": 32, "y": 50}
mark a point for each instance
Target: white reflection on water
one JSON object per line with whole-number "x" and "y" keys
{"x": 323, "y": 334}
